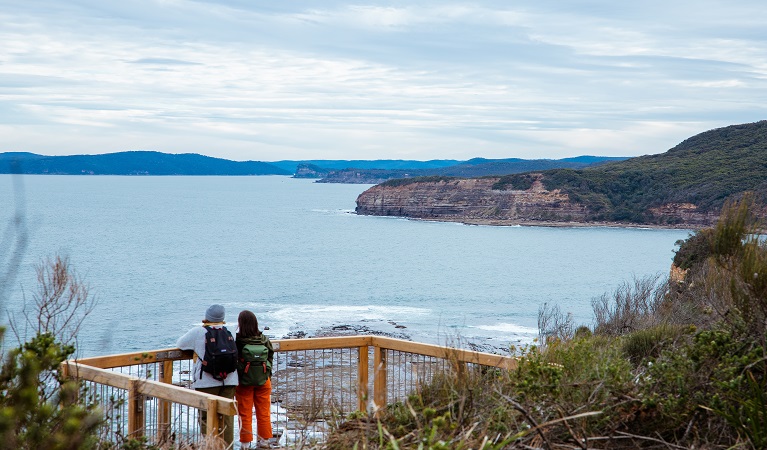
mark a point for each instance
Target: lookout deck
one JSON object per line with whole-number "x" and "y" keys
{"x": 316, "y": 382}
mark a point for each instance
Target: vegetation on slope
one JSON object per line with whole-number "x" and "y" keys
{"x": 406, "y": 181}
{"x": 667, "y": 365}
{"x": 704, "y": 170}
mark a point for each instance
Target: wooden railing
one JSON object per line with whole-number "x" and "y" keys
{"x": 312, "y": 379}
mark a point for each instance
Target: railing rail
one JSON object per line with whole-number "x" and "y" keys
{"x": 397, "y": 366}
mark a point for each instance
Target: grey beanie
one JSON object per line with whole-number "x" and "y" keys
{"x": 215, "y": 313}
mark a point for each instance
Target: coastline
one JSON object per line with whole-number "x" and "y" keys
{"x": 345, "y": 329}
{"x": 550, "y": 224}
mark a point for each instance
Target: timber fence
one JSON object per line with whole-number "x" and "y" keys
{"x": 316, "y": 383}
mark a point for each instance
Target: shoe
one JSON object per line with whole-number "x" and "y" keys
{"x": 266, "y": 443}
{"x": 246, "y": 446}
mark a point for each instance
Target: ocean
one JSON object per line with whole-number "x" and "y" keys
{"x": 157, "y": 251}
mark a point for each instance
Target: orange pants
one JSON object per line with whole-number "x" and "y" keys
{"x": 258, "y": 396}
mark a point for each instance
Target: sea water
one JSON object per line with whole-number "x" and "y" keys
{"x": 157, "y": 251}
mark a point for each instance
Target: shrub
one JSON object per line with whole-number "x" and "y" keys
{"x": 36, "y": 414}
{"x": 633, "y": 306}
{"x": 694, "y": 250}
{"x": 649, "y": 342}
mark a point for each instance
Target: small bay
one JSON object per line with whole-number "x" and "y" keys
{"x": 157, "y": 251}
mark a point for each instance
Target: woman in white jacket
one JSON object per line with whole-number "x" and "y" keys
{"x": 202, "y": 381}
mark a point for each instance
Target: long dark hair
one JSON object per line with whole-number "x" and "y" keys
{"x": 248, "y": 324}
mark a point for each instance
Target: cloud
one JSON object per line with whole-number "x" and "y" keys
{"x": 347, "y": 80}
{"x": 164, "y": 62}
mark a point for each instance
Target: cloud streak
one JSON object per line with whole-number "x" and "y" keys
{"x": 296, "y": 80}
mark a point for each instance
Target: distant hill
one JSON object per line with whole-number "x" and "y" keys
{"x": 475, "y": 167}
{"x": 388, "y": 164}
{"x": 330, "y": 171}
{"x": 132, "y": 163}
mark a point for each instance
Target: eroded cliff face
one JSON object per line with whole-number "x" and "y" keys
{"x": 685, "y": 214}
{"x": 474, "y": 200}
{"x": 469, "y": 200}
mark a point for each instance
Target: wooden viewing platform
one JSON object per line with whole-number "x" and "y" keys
{"x": 146, "y": 394}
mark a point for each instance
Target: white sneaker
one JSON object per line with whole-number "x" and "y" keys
{"x": 245, "y": 445}
{"x": 266, "y": 443}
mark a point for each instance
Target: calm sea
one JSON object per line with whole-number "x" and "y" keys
{"x": 157, "y": 251}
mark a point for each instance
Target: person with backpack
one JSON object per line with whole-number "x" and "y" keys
{"x": 215, "y": 364}
{"x": 254, "y": 370}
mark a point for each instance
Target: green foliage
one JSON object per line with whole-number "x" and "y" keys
{"x": 519, "y": 182}
{"x": 685, "y": 387}
{"x": 38, "y": 408}
{"x": 742, "y": 253}
{"x": 649, "y": 342}
{"x": 694, "y": 250}
{"x": 429, "y": 179}
{"x": 748, "y": 414}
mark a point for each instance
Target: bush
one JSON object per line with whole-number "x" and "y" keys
{"x": 633, "y": 306}
{"x": 648, "y": 343}
{"x": 39, "y": 408}
{"x": 694, "y": 250}
{"x": 36, "y": 412}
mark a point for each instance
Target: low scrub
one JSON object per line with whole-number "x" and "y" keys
{"x": 666, "y": 365}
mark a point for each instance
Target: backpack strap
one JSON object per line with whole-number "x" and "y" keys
{"x": 205, "y": 349}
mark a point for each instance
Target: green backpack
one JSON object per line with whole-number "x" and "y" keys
{"x": 253, "y": 367}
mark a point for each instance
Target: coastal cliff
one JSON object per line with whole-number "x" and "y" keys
{"x": 685, "y": 187}
{"x": 479, "y": 201}
{"x": 471, "y": 200}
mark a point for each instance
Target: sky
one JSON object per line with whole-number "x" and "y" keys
{"x": 275, "y": 80}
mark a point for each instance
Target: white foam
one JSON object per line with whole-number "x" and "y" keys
{"x": 335, "y": 211}
{"x": 509, "y": 328}
{"x": 284, "y": 318}
{"x": 341, "y": 312}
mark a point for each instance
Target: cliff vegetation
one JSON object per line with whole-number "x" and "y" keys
{"x": 701, "y": 172}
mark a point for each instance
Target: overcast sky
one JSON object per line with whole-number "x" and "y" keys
{"x": 272, "y": 80}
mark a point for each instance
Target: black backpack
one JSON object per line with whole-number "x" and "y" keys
{"x": 220, "y": 353}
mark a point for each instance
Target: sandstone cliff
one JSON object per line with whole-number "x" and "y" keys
{"x": 468, "y": 200}
{"x": 474, "y": 200}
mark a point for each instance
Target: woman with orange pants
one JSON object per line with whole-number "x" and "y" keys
{"x": 254, "y": 369}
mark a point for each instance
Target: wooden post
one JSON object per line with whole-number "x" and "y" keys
{"x": 212, "y": 418}
{"x": 135, "y": 410}
{"x": 163, "y": 406}
{"x": 379, "y": 378}
{"x": 362, "y": 378}
{"x": 68, "y": 376}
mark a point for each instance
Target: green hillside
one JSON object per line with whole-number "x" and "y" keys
{"x": 704, "y": 170}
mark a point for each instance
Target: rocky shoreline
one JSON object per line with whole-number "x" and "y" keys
{"x": 478, "y": 201}
{"x": 552, "y": 224}
{"x": 357, "y": 330}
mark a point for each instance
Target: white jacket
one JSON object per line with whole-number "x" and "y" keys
{"x": 194, "y": 339}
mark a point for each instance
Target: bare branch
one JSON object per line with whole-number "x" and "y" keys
{"x": 14, "y": 242}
